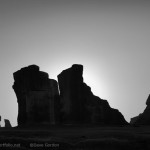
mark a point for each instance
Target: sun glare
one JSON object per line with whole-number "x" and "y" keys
{"x": 98, "y": 86}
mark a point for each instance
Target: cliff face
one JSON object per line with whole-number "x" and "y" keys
{"x": 39, "y": 101}
{"x": 79, "y": 105}
{"x": 37, "y": 96}
{"x": 143, "y": 118}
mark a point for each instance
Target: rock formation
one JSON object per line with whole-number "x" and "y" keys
{"x": 143, "y": 118}
{"x": 79, "y": 105}
{"x": 37, "y": 96}
{"x": 39, "y": 101}
{"x": 7, "y": 123}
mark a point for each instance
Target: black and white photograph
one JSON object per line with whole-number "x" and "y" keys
{"x": 74, "y": 74}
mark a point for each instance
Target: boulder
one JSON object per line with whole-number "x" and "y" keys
{"x": 37, "y": 96}
{"x": 79, "y": 105}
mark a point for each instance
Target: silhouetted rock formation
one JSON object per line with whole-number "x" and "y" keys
{"x": 79, "y": 105}
{"x": 39, "y": 101}
{"x": 37, "y": 96}
{"x": 144, "y": 118}
{"x": 7, "y": 123}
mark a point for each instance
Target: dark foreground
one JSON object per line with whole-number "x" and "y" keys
{"x": 76, "y": 138}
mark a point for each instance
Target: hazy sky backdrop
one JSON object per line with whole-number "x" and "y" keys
{"x": 111, "y": 38}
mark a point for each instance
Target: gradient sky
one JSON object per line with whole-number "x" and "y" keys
{"x": 110, "y": 38}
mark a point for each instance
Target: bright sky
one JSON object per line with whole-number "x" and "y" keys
{"x": 111, "y": 38}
